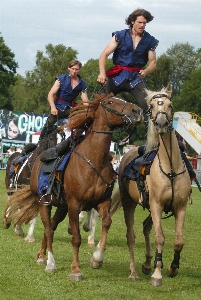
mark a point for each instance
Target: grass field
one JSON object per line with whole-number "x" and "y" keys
{"x": 22, "y": 278}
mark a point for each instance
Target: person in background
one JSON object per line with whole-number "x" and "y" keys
{"x": 134, "y": 57}
{"x": 63, "y": 94}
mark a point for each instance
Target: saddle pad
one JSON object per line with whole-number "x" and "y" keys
{"x": 48, "y": 169}
{"x": 132, "y": 170}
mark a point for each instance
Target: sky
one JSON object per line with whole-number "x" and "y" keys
{"x": 27, "y": 26}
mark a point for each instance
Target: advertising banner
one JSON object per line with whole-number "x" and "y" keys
{"x": 17, "y": 128}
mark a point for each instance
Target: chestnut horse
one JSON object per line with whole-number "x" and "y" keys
{"x": 87, "y": 180}
{"x": 167, "y": 183}
{"x": 23, "y": 174}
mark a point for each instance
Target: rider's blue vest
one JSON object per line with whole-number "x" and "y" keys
{"x": 126, "y": 55}
{"x": 65, "y": 96}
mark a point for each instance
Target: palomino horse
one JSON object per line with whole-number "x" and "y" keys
{"x": 22, "y": 177}
{"x": 167, "y": 183}
{"x": 87, "y": 180}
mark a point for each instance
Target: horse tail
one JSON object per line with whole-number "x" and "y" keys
{"x": 116, "y": 200}
{"x": 21, "y": 207}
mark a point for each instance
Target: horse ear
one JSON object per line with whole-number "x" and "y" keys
{"x": 148, "y": 92}
{"x": 168, "y": 89}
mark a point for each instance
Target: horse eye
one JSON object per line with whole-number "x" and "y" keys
{"x": 110, "y": 102}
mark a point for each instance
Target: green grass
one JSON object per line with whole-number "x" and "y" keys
{"x": 22, "y": 278}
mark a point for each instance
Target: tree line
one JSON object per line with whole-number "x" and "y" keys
{"x": 180, "y": 65}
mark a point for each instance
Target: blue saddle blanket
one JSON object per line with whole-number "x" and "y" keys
{"x": 51, "y": 167}
{"x": 18, "y": 160}
{"x": 132, "y": 170}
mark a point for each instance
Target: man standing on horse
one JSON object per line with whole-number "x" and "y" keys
{"x": 66, "y": 89}
{"x": 134, "y": 57}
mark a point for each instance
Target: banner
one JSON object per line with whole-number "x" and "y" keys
{"x": 17, "y": 128}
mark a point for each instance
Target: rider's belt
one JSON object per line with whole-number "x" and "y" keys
{"x": 71, "y": 103}
{"x": 117, "y": 69}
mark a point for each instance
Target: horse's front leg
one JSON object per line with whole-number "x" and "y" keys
{"x": 156, "y": 214}
{"x": 172, "y": 271}
{"x": 97, "y": 258}
{"x": 73, "y": 215}
{"x": 147, "y": 226}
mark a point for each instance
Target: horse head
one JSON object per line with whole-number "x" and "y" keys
{"x": 119, "y": 112}
{"x": 160, "y": 109}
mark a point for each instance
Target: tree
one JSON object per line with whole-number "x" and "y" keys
{"x": 190, "y": 95}
{"x": 162, "y": 74}
{"x": 7, "y": 75}
{"x": 184, "y": 60}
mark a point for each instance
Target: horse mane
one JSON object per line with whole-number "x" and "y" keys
{"x": 82, "y": 116}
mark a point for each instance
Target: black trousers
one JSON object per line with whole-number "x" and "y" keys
{"x": 137, "y": 92}
{"x": 52, "y": 119}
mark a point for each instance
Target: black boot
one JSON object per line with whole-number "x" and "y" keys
{"x": 56, "y": 151}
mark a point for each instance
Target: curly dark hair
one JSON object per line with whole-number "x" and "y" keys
{"x": 137, "y": 13}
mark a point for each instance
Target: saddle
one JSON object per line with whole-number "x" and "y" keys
{"x": 138, "y": 169}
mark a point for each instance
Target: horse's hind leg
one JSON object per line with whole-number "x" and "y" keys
{"x": 172, "y": 271}
{"x": 94, "y": 220}
{"x": 147, "y": 226}
{"x": 30, "y": 235}
{"x": 97, "y": 258}
{"x": 129, "y": 208}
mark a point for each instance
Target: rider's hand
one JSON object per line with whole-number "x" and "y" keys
{"x": 101, "y": 78}
{"x": 54, "y": 111}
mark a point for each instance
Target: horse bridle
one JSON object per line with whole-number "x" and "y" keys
{"x": 160, "y": 103}
{"x": 126, "y": 120}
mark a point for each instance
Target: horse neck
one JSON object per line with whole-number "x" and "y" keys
{"x": 168, "y": 147}
{"x": 97, "y": 140}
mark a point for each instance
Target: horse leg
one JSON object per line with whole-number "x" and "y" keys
{"x": 156, "y": 213}
{"x": 87, "y": 224}
{"x": 18, "y": 231}
{"x": 129, "y": 209}
{"x": 73, "y": 215}
{"x": 94, "y": 220}
{"x": 147, "y": 226}
{"x": 81, "y": 218}
{"x": 97, "y": 258}
{"x": 30, "y": 235}
{"x": 50, "y": 226}
{"x": 172, "y": 271}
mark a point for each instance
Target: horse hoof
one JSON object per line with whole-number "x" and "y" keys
{"x": 156, "y": 281}
{"x": 146, "y": 271}
{"x": 91, "y": 244}
{"x": 86, "y": 228}
{"x": 172, "y": 272}
{"x": 41, "y": 261}
{"x": 6, "y": 225}
{"x": 133, "y": 277}
{"x": 50, "y": 270}
{"x": 95, "y": 264}
{"x": 29, "y": 240}
{"x": 76, "y": 277}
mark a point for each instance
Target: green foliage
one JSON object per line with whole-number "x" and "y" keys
{"x": 184, "y": 60}
{"x": 190, "y": 95}
{"x": 21, "y": 278}
{"x": 7, "y": 75}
